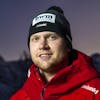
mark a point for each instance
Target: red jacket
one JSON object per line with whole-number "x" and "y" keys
{"x": 79, "y": 81}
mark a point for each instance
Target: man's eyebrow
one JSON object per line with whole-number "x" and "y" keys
{"x": 35, "y": 35}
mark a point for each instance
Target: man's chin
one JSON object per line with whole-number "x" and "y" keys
{"x": 47, "y": 67}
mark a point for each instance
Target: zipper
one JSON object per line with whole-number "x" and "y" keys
{"x": 42, "y": 93}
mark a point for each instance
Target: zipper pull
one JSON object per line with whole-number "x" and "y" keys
{"x": 42, "y": 93}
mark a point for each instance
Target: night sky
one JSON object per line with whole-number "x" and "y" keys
{"x": 16, "y": 16}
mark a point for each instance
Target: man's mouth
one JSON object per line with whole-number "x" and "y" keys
{"x": 45, "y": 56}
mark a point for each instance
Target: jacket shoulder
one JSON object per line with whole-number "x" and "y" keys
{"x": 93, "y": 86}
{"x": 95, "y": 82}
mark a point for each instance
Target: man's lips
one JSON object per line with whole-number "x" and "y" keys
{"x": 45, "y": 56}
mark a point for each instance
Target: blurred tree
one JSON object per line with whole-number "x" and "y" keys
{"x": 1, "y": 59}
{"x": 96, "y": 60}
{"x": 24, "y": 55}
{"x": 13, "y": 75}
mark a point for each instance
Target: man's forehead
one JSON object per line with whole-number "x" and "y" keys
{"x": 45, "y": 33}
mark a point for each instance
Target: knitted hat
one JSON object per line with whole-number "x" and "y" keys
{"x": 53, "y": 20}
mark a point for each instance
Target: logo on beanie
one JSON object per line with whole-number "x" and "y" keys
{"x": 46, "y": 17}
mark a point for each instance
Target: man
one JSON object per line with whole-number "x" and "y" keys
{"x": 58, "y": 71}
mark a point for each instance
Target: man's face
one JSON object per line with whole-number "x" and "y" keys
{"x": 47, "y": 49}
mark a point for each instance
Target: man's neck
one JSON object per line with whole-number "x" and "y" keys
{"x": 46, "y": 76}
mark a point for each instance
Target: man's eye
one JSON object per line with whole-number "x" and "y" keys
{"x": 35, "y": 39}
{"x": 53, "y": 37}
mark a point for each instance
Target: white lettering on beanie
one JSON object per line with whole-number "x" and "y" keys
{"x": 44, "y": 17}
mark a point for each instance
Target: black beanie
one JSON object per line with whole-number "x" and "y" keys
{"x": 53, "y": 20}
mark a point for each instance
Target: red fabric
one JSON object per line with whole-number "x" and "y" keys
{"x": 21, "y": 95}
{"x": 65, "y": 85}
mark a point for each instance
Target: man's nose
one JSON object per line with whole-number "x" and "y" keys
{"x": 43, "y": 44}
